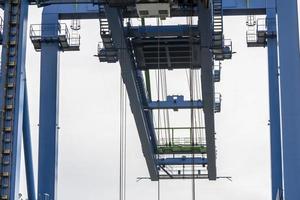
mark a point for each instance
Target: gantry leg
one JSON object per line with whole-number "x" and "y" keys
{"x": 275, "y": 132}
{"x": 289, "y": 62}
{"x": 48, "y": 125}
{"x": 207, "y": 83}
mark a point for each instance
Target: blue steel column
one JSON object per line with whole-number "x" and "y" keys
{"x": 289, "y": 58}
{"x": 12, "y": 95}
{"x": 274, "y": 106}
{"x": 48, "y": 125}
{"x": 28, "y": 149}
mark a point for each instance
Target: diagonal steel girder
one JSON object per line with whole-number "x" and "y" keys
{"x": 130, "y": 79}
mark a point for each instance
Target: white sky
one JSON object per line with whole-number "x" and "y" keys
{"x": 89, "y": 126}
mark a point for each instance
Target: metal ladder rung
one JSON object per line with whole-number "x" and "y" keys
{"x": 13, "y": 42}
{"x": 5, "y": 174}
{"x": 8, "y": 129}
{"x": 11, "y": 75}
{"x": 10, "y": 96}
{"x": 9, "y": 107}
{"x": 10, "y": 85}
{"x": 12, "y": 64}
{"x": 6, "y": 151}
{"x": 7, "y": 140}
{"x": 6, "y": 162}
{"x": 5, "y": 186}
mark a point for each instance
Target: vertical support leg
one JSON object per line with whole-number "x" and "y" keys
{"x": 28, "y": 149}
{"x": 289, "y": 58}
{"x": 275, "y": 132}
{"x": 12, "y": 96}
{"x": 48, "y": 125}
{"x": 207, "y": 84}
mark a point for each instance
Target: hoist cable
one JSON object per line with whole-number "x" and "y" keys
{"x": 123, "y": 133}
{"x": 158, "y": 91}
{"x": 192, "y": 136}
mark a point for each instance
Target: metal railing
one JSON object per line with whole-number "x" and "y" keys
{"x": 185, "y": 141}
{"x": 218, "y": 101}
{"x": 261, "y": 24}
{"x": 54, "y": 31}
{"x": 256, "y": 34}
{"x": 217, "y": 72}
{"x": 251, "y": 36}
{"x": 180, "y": 136}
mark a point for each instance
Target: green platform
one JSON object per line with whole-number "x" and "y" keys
{"x": 180, "y": 149}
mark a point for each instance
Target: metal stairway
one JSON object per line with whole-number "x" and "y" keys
{"x": 9, "y": 78}
{"x": 221, "y": 48}
{"x": 107, "y": 52}
{"x": 217, "y": 27}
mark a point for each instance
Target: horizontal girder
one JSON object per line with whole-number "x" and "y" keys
{"x": 175, "y": 103}
{"x": 230, "y": 7}
{"x": 182, "y": 161}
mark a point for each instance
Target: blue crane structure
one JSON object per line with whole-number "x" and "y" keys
{"x": 140, "y": 49}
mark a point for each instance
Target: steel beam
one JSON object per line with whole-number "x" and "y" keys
{"x": 130, "y": 79}
{"x": 207, "y": 84}
{"x": 28, "y": 149}
{"x": 85, "y": 9}
{"x": 175, "y": 103}
{"x": 48, "y": 125}
{"x": 12, "y": 139}
{"x": 274, "y": 105}
{"x": 182, "y": 161}
{"x": 289, "y": 62}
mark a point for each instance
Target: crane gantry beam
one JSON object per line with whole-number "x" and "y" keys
{"x": 13, "y": 93}
{"x": 231, "y": 7}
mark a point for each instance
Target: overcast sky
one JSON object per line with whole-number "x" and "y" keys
{"x": 89, "y": 126}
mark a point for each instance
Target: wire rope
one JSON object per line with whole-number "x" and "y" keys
{"x": 192, "y": 135}
{"x": 123, "y": 135}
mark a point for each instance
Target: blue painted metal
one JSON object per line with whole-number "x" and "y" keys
{"x": 182, "y": 161}
{"x": 28, "y": 149}
{"x": 290, "y": 82}
{"x": 12, "y": 95}
{"x": 48, "y": 125}
{"x": 174, "y": 102}
{"x": 274, "y": 108}
{"x": 135, "y": 88}
{"x": 289, "y": 62}
{"x": 242, "y": 7}
{"x": 82, "y": 11}
{"x": 231, "y": 7}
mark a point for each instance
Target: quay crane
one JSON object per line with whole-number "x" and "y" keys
{"x": 170, "y": 152}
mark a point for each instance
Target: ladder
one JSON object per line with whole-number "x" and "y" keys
{"x": 217, "y": 27}
{"x": 7, "y": 111}
{"x": 108, "y": 53}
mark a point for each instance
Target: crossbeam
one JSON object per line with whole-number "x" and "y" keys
{"x": 182, "y": 161}
{"x": 175, "y": 103}
{"x": 230, "y": 7}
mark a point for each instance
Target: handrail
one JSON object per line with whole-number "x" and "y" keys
{"x": 59, "y": 29}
